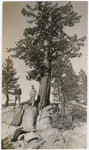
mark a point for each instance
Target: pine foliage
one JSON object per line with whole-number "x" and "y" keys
{"x": 82, "y": 86}
{"x": 65, "y": 81}
{"x": 45, "y": 34}
{"x": 8, "y": 76}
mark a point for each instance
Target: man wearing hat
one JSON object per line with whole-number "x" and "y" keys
{"x": 33, "y": 94}
{"x": 18, "y": 93}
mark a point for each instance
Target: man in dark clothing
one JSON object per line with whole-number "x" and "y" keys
{"x": 18, "y": 93}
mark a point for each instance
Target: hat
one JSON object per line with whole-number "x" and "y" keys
{"x": 32, "y": 85}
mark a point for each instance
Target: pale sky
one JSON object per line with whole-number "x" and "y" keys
{"x": 14, "y": 24}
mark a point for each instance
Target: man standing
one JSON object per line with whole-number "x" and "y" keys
{"x": 18, "y": 93}
{"x": 33, "y": 94}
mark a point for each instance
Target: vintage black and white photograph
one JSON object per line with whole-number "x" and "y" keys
{"x": 44, "y": 74}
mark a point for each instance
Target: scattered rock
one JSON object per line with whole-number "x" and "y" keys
{"x": 6, "y": 109}
{"x": 11, "y": 145}
{"x": 36, "y": 145}
{"x": 14, "y": 145}
{"x": 5, "y": 139}
{"x": 17, "y": 106}
{"x": 30, "y": 136}
{"x": 49, "y": 107}
{"x": 20, "y": 137}
{"x": 25, "y": 106}
{"x": 12, "y": 132}
{"x": 17, "y": 118}
{"x": 50, "y": 142}
{"x": 42, "y": 115}
{"x": 5, "y": 142}
{"x": 44, "y": 136}
{"x": 7, "y": 116}
{"x": 43, "y": 124}
{"x": 58, "y": 145}
{"x": 4, "y": 128}
{"x": 27, "y": 145}
{"x": 29, "y": 130}
{"x": 43, "y": 120}
{"x": 21, "y": 142}
{"x": 50, "y": 132}
{"x": 51, "y": 111}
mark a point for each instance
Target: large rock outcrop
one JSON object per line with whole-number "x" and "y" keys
{"x": 50, "y": 142}
{"x": 9, "y": 133}
{"x": 17, "y": 118}
{"x": 7, "y": 115}
{"x": 32, "y": 132}
{"x": 44, "y": 119}
{"x": 29, "y": 118}
{"x": 31, "y": 136}
{"x": 45, "y": 134}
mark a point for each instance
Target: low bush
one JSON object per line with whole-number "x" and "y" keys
{"x": 78, "y": 113}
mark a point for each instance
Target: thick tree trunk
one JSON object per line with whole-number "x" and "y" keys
{"x": 44, "y": 91}
{"x": 7, "y": 100}
{"x": 45, "y": 87}
{"x": 63, "y": 101}
{"x": 63, "y": 108}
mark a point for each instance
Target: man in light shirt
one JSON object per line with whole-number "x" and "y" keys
{"x": 33, "y": 94}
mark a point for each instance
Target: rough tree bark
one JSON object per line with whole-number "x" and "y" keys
{"x": 63, "y": 100}
{"x": 63, "y": 107}
{"x": 7, "y": 100}
{"x": 45, "y": 87}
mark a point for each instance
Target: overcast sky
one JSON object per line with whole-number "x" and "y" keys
{"x": 14, "y": 24}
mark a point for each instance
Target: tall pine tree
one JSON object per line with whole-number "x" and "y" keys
{"x": 8, "y": 78}
{"x": 82, "y": 86}
{"x": 45, "y": 40}
{"x": 65, "y": 83}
